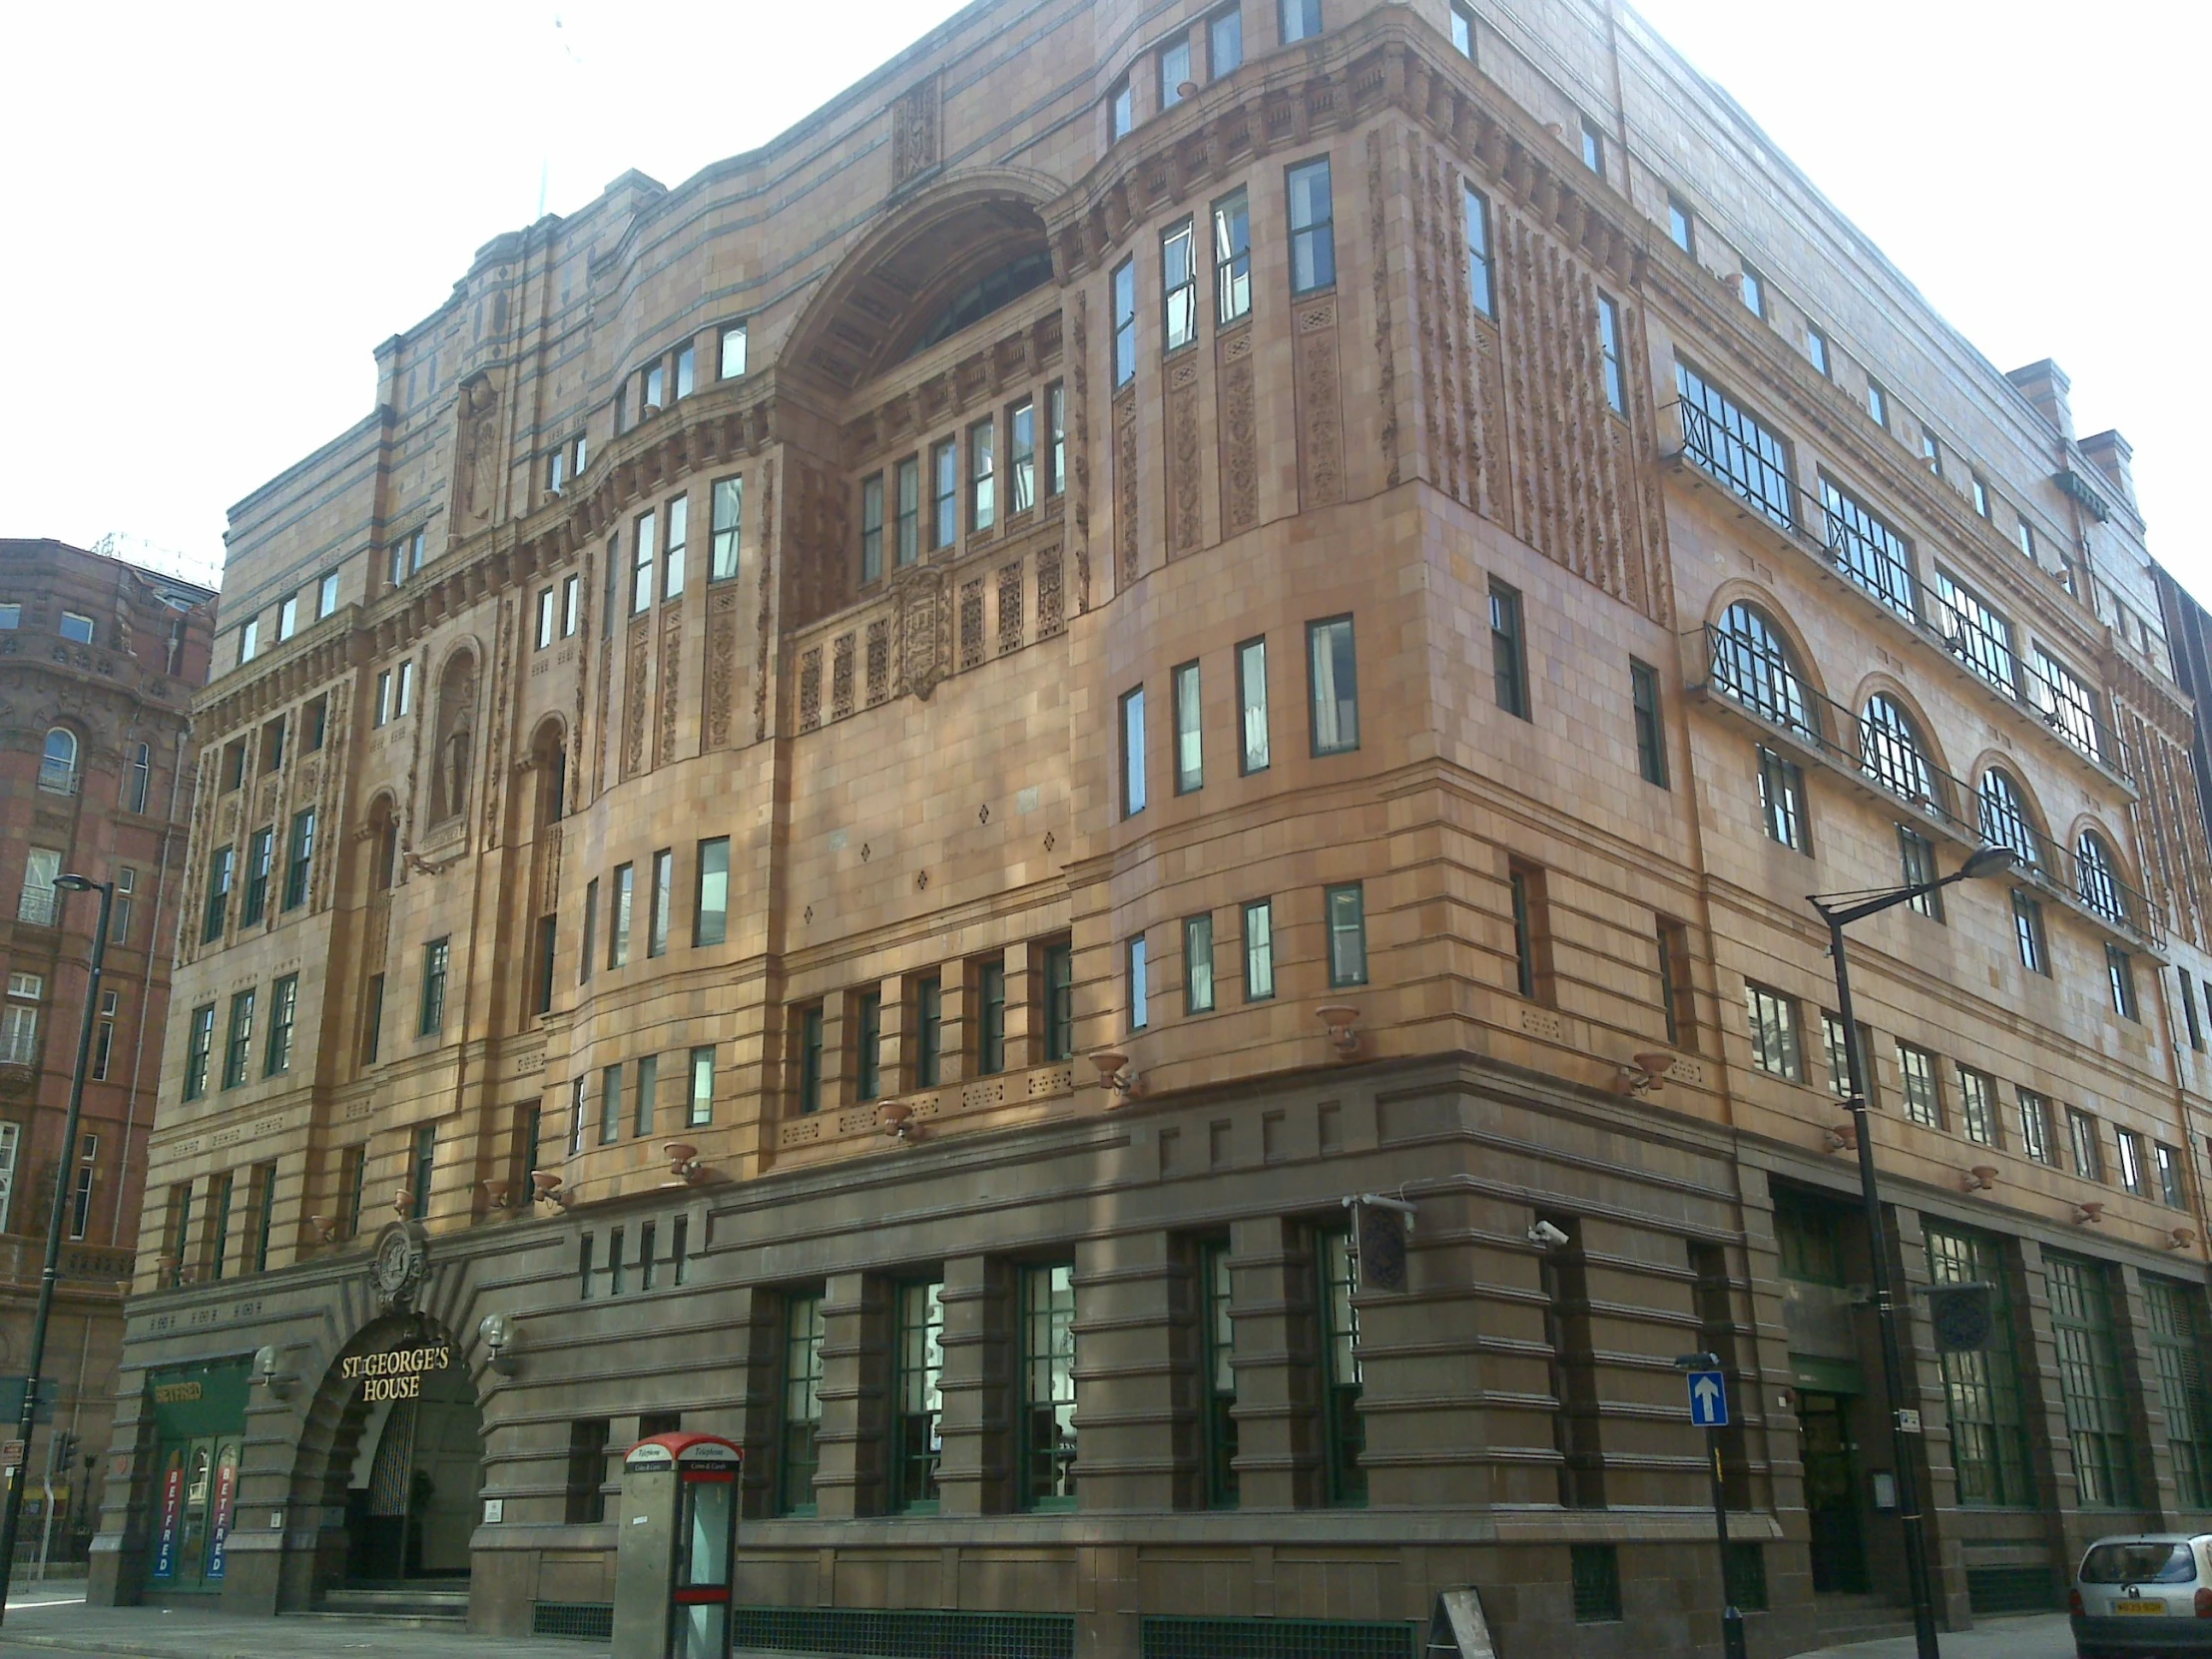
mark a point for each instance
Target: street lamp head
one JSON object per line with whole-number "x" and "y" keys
{"x": 78, "y": 883}
{"x": 1989, "y": 861}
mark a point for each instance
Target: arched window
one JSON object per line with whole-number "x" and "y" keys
{"x": 2098, "y": 878}
{"x": 1892, "y": 752}
{"x": 57, "y": 768}
{"x": 2004, "y": 819}
{"x": 1754, "y": 664}
{"x": 384, "y": 827}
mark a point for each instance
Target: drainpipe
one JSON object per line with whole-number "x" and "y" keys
{"x": 146, "y": 991}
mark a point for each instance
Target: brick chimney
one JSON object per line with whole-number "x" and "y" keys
{"x": 2045, "y": 385}
{"x": 2112, "y": 455}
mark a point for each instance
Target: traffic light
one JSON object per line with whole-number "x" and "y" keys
{"x": 65, "y": 1453}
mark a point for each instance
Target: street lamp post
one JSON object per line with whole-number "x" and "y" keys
{"x": 1840, "y": 911}
{"x": 11, "y": 1514}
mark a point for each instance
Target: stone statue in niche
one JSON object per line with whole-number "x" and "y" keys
{"x": 478, "y": 468}
{"x": 451, "y": 759}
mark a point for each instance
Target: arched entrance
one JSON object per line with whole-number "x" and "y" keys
{"x": 404, "y": 1461}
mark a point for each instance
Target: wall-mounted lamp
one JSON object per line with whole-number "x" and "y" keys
{"x": 1114, "y": 1073}
{"x": 402, "y": 1203}
{"x": 268, "y": 1372}
{"x": 547, "y": 1189}
{"x": 1646, "y": 1073}
{"x": 2181, "y": 1238}
{"x": 1981, "y": 1178}
{"x": 325, "y": 1228}
{"x": 898, "y": 1120}
{"x": 1842, "y": 1137}
{"x": 500, "y": 1334}
{"x": 496, "y": 1193}
{"x": 1544, "y": 1236}
{"x": 2090, "y": 1214}
{"x": 1343, "y": 1021}
{"x": 682, "y": 1161}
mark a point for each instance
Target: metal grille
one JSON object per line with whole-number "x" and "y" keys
{"x": 1597, "y": 1583}
{"x": 1165, "y": 1638}
{"x": 866, "y": 1634}
{"x": 1747, "y": 1578}
{"x": 592, "y": 1621}
{"x": 2012, "y": 1590}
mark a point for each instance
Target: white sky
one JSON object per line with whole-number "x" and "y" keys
{"x": 216, "y": 213}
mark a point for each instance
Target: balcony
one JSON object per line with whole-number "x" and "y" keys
{"x": 58, "y": 776}
{"x": 1744, "y": 464}
{"x": 1878, "y": 762}
{"x": 39, "y": 907}
{"x": 19, "y": 1046}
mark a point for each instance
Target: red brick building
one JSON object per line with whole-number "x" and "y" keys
{"x": 98, "y": 660}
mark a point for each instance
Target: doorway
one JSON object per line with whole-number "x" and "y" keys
{"x": 1832, "y": 1493}
{"x": 412, "y": 1468}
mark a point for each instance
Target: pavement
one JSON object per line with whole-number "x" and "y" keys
{"x": 58, "y": 1621}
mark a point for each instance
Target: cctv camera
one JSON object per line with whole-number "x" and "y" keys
{"x": 1548, "y": 1236}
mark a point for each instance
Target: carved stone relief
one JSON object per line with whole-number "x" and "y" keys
{"x": 1184, "y": 480}
{"x": 1386, "y": 349}
{"x": 667, "y": 690}
{"x": 1052, "y": 602}
{"x": 1080, "y": 410}
{"x": 922, "y": 602}
{"x": 722, "y": 664}
{"x": 1009, "y": 608}
{"x": 840, "y": 676}
{"x": 1240, "y": 434}
{"x": 637, "y": 664}
{"x": 768, "y": 601}
{"x": 1125, "y": 491}
{"x": 476, "y": 453}
{"x": 1321, "y": 462}
{"x": 915, "y": 122}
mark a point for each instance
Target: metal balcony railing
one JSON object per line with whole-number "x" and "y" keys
{"x": 38, "y": 907}
{"x": 1772, "y": 692}
{"x": 19, "y": 1047}
{"x": 1730, "y": 446}
{"x": 57, "y": 776}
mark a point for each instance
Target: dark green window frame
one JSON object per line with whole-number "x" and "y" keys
{"x": 2177, "y": 1331}
{"x": 928, "y": 1032}
{"x": 2091, "y": 1383}
{"x": 1343, "y": 1431}
{"x": 869, "y": 1047}
{"x": 1044, "y": 1460}
{"x": 917, "y": 1410}
{"x": 1218, "y": 1378}
{"x": 1059, "y": 1002}
{"x": 991, "y": 1018}
{"x": 798, "y": 1452}
{"x": 1981, "y": 1390}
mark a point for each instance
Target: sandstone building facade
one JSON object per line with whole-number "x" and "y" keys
{"x": 97, "y": 662}
{"x": 881, "y": 781}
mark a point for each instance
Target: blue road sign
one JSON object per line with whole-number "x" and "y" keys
{"x": 1708, "y": 1399}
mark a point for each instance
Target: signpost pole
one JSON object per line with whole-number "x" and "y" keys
{"x": 1732, "y": 1617}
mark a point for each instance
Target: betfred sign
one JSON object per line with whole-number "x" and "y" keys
{"x": 395, "y": 1373}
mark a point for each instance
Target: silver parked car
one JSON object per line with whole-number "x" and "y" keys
{"x": 2144, "y": 1595}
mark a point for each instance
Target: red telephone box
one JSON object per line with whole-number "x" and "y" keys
{"x": 676, "y": 1548}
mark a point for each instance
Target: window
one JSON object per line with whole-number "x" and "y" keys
{"x": 1977, "y": 635}
{"x": 1345, "y": 909}
{"x": 1980, "y": 487}
{"x": 384, "y": 698}
{"x": 80, "y": 1200}
{"x": 642, "y": 539}
{"x": 1045, "y": 1457}
{"x": 917, "y": 1366}
{"x": 1869, "y": 552}
{"x": 1681, "y": 226}
{"x": 1815, "y": 349}
{"x": 659, "y": 901}
{"x": 1917, "y": 868}
{"x": 590, "y": 931}
{"x": 1218, "y": 1375}
{"x": 686, "y": 369}
{"x": 436, "y": 956}
{"x": 1924, "y": 1102}
{"x": 2004, "y": 819}
{"x": 2189, "y": 1011}
{"x": 1509, "y": 650}
{"x": 1990, "y": 1440}
{"x": 77, "y": 627}
{"x": 2089, "y": 1381}
{"x": 237, "y": 1046}
{"x": 288, "y": 616}
{"x": 2134, "y": 1176}
{"x": 11, "y": 617}
{"x": 1022, "y": 459}
{"x": 403, "y": 691}
{"x": 1343, "y": 1433}
{"x": 1609, "y": 353}
{"x": 677, "y": 513}
{"x": 1479, "y": 287}
{"x": 1776, "y": 1045}
{"x": 797, "y": 1455}
{"x": 1132, "y": 752}
{"x": 298, "y": 859}
{"x": 372, "y": 1018}
{"x": 1593, "y": 147}
{"x": 1125, "y": 323}
{"x": 1259, "y": 950}
{"x": 549, "y": 943}
{"x": 1893, "y": 753}
{"x": 1198, "y": 964}
{"x": 944, "y": 499}
{"x": 1931, "y": 452}
{"x": 701, "y": 1087}
{"x": 711, "y": 911}
{"x": 910, "y": 511}
{"x": 1782, "y": 802}
{"x": 1332, "y": 686}
{"x": 2082, "y": 1139}
{"x": 19, "y": 1030}
{"x": 2035, "y": 1135}
{"x": 1977, "y": 1109}
{"x": 1190, "y": 761}
{"x": 2177, "y": 1336}
{"x": 618, "y": 916}
{"x": 1121, "y": 110}
{"x": 1677, "y": 995}
{"x": 1877, "y": 403}
{"x": 545, "y": 617}
{"x": 928, "y": 1032}
{"x": 652, "y": 387}
{"x": 283, "y": 1008}
{"x": 199, "y": 1044}
{"x": 868, "y": 1046}
{"x": 2119, "y": 974}
{"x": 610, "y": 1109}
{"x": 1651, "y": 737}
{"x": 1532, "y": 932}
{"x": 2027, "y": 933}
{"x": 2024, "y": 534}
{"x": 1175, "y": 71}
{"x": 137, "y": 782}
{"x": 731, "y": 361}
{"x": 103, "y": 1043}
{"x": 1463, "y": 30}
{"x": 1232, "y": 259}
{"x": 119, "y": 919}
{"x": 982, "y": 441}
{"x": 220, "y": 867}
{"x": 990, "y": 1022}
{"x": 1313, "y": 223}
{"x": 1840, "y": 1059}
{"x": 2170, "y": 1190}
{"x": 1252, "y": 702}
{"x": 1300, "y": 20}
{"x": 1178, "y": 288}
{"x": 1056, "y": 437}
{"x": 1735, "y": 446}
{"x": 254, "y": 902}
{"x": 1140, "y": 992}
{"x": 2066, "y": 703}
{"x": 1059, "y": 1002}
{"x": 1224, "y": 42}
{"x": 728, "y": 525}
{"x": 1753, "y": 288}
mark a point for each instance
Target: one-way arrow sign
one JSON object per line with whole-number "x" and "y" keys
{"x": 1708, "y": 1399}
